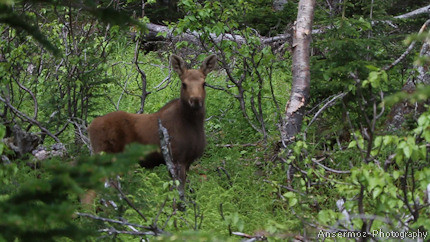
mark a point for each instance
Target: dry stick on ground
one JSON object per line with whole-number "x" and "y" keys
{"x": 115, "y": 231}
{"x": 250, "y": 237}
{"x": 152, "y": 230}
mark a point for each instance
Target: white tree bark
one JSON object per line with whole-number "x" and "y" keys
{"x": 414, "y": 13}
{"x": 295, "y": 108}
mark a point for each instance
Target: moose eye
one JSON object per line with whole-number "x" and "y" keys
{"x": 184, "y": 86}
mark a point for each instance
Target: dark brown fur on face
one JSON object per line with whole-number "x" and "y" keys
{"x": 183, "y": 118}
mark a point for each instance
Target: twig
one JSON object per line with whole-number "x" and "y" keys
{"x": 154, "y": 230}
{"x": 114, "y": 231}
{"x": 221, "y": 212}
{"x": 408, "y": 50}
{"x": 226, "y": 174}
{"x": 286, "y": 187}
{"x": 127, "y": 200}
{"x": 32, "y": 96}
{"x": 168, "y": 79}
{"x": 250, "y": 237}
{"x": 84, "y": 138}
{"x": 240, "y": 145}
{"x": 328, "y": 168}
{"x": 30, "y": 120}
{"x": 326, "y": 105}
{"x": 155, "y": 220}
{"x": 145, "y": 93}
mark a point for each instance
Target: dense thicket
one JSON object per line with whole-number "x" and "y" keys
{"x": 359, "y": 166}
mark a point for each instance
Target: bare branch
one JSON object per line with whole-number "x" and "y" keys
{"x": 414, "y": 13}
{"x": 408, "y": 50}
{"x": 328, "y": 168}
{"x": 32, "y": 96}
{"x": 127, "y": 200}
{"x": 326, "y": 105}
{"x": 114, "y": 231}
{"x": 30, "y": 120}
{"x": 154, "y": 231}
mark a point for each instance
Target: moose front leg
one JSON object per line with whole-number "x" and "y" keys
{"x": 182, "y": 177}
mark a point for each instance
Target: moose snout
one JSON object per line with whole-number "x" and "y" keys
{"x": 195, "y": 102}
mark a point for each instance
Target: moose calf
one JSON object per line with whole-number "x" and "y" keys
{"x": 182, "y": 117}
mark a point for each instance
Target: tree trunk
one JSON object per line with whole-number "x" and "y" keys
{"x": 295, "y": 108}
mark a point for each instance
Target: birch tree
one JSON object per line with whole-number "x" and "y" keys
{"x": 295, "y": 108}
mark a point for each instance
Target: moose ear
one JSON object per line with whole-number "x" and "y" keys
{"x": 178, "y": 64}
{"x": 208, "y": 64}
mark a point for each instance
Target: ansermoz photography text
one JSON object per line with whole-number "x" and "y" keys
{"x": 374, "y": 234}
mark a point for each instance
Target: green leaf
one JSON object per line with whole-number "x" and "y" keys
{"x": 396, "y": 174}
{"x": 407, "y": 151}
{"x": 376, "y": 192}
{"x": 352, "y": 144}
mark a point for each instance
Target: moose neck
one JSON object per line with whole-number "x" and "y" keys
{"x": 192, "y": 114}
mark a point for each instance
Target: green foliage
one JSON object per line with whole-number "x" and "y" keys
{"x": 252, "y": 69}
{"x": 24, "y": 22}
{"x": 239, "y": 185}
{"x": 42, "y": 207}
{"x": 383, "y": 193}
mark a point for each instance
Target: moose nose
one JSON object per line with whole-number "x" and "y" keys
{"x": 195, "y": 102}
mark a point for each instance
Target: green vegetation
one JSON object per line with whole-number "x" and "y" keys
{"x": 350, "y": 170}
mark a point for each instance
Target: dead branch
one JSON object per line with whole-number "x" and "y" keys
{"x": 160, "y": 85}
{"x": 325, "y": 106}
{"x": 142, "y": 74}
{"x": 152, "y": 230}
{"x": 30, "y": 120}
{"x": 167, "y": 155}
{"x": 237, "y": 145}
{"x": 408, "y": 50}
{"x": 80, "y": 133}
{"x": 32, "y": 96}
{"x": 328, "y": 168}
{"x": 250, "y": 237}
{"x": 193, "y": 37}
{"x": 414, "y": 13}
{"x": 118, "y": 188}
{"x": 114, "y": 231}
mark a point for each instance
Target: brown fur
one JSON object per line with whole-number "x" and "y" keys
{"x": 183, "y": 118}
